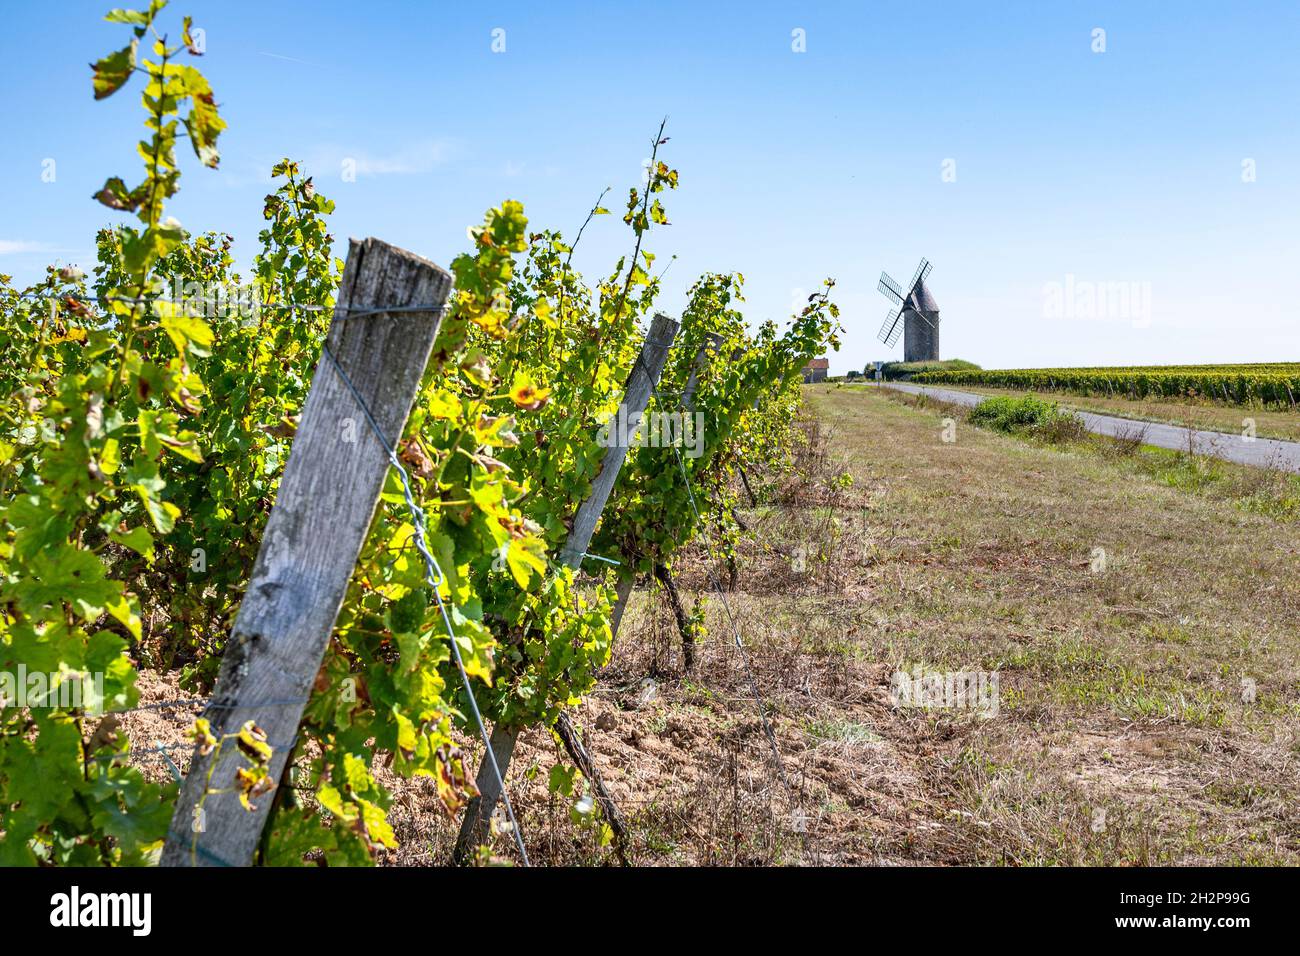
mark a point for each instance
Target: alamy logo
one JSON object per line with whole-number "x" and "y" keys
{"x": 217, "y": 299}
{"x": 66, "y": 689}
{"x": 956, "y": 690}
{"x": 103, "y": 909}
{"x": 626, "y": 429}
{"x": 1087, "y": 300}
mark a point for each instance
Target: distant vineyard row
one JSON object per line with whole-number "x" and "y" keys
{"x": 1270, "y": 368}
{"x": 1264, "y": 383}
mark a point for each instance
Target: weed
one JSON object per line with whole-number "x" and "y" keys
{"x": 1006, "y": 414}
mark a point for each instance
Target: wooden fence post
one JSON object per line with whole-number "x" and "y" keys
{"x": 323, "y": 511}
{"x": 641, "y": 382}
{"x": 625, "y": 585}
{"x": 624, "y": 593}
{"x": 661, "y": 572}
{"x": 697, "y": 366}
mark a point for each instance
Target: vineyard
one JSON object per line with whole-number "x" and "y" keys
{"x": 1267, "y": 384}
{"x": 423, "y": 459}
{"x": 160, "y": 429}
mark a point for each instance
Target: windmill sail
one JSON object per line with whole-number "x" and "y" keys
{"x": 890, "y": 329}
{"x": 890, "y": 288}
{"x": 920, "y": 275}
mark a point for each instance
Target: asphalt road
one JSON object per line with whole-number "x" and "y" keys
{"x": 1262, "y": 452}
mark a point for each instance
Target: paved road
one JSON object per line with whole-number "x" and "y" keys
{"x": 1262, "y": 452}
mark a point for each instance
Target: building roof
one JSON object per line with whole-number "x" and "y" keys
{"x": 819, "y": 363}
{"x": 921, "y": 300}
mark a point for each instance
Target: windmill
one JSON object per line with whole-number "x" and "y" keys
{"x": 919, "y": 315}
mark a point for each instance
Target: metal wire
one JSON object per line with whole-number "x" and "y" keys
{"x": 433, "y": 577}
{"x": 163, "y": 750}
{"x": 205, "y": 704}
{"x": 735, "y": 629}
{"x": 346, "y": 313}
{"x": 433, "y": 572}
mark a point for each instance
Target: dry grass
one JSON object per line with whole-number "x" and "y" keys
{"x": 1271, "y": 492}
{"x": 1122, "y": 690}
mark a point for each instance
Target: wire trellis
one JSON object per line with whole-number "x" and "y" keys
{"x": 433, "y": 577}
{"x": 433, "y": 572}
{"x": 192, "y": 306}
{"x": 759, "y": 700}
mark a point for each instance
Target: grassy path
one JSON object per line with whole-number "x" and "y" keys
{"x": 1149, "y": 709}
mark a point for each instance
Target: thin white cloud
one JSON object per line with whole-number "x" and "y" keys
{"x": 405, "y": 161}
{"x": 281, "y": 56}
{"x": 12, "y": 247}
{"x": 327, "y": 163}
{"x": 416, "y": 159}
{"x": 241, "y": 174}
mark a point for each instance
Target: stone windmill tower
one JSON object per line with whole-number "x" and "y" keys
{"x": 919, "y": 314}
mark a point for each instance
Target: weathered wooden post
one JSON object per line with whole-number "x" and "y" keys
{"x": 640, "y": 386}
{"x": 323, "y": 510}
{"x": 623, "y": 591}
{"x": 697, "y": 366}
{"x": 625, "y": 585}
{"x": 661, "y": 572}
{"x": 641, "y": 382}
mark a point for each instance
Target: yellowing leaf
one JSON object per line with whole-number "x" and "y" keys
{"x": 542, "y": 309}
{"x": 407, "y": 739}
{"x": 527, "y": 394}
{"x": 122, "y": 610}
{"x": 355, "y": 774}
{"x": 454, "y": 786}
{"x": 251, "y": 740}
{"x": 110, "y": 459}
{"x": 201, "y": 733}
{"x": 496, "y": 430}
{"x": 375, "y": 825}
{"x": 187, "y": 330}
{"x": 253, "y": 782}
{"x": 184, "y": 444}
{"x": 476, "y": 368}
{"x": 444, "y": 405}
{"x": 524, "y": 556}
{"x": 332, "y": 801}
{"x": 203, "y": 123}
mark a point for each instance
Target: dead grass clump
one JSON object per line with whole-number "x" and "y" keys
{"x": 1062, "y": 429}
{"x": 1126, "y": 443}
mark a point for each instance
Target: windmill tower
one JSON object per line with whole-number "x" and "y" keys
{"x": 919, "y": 314}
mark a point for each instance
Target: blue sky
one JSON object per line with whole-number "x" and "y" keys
{"x": 1072, "y": 167}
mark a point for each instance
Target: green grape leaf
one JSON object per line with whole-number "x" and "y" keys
{"x": 138, "y": 539}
